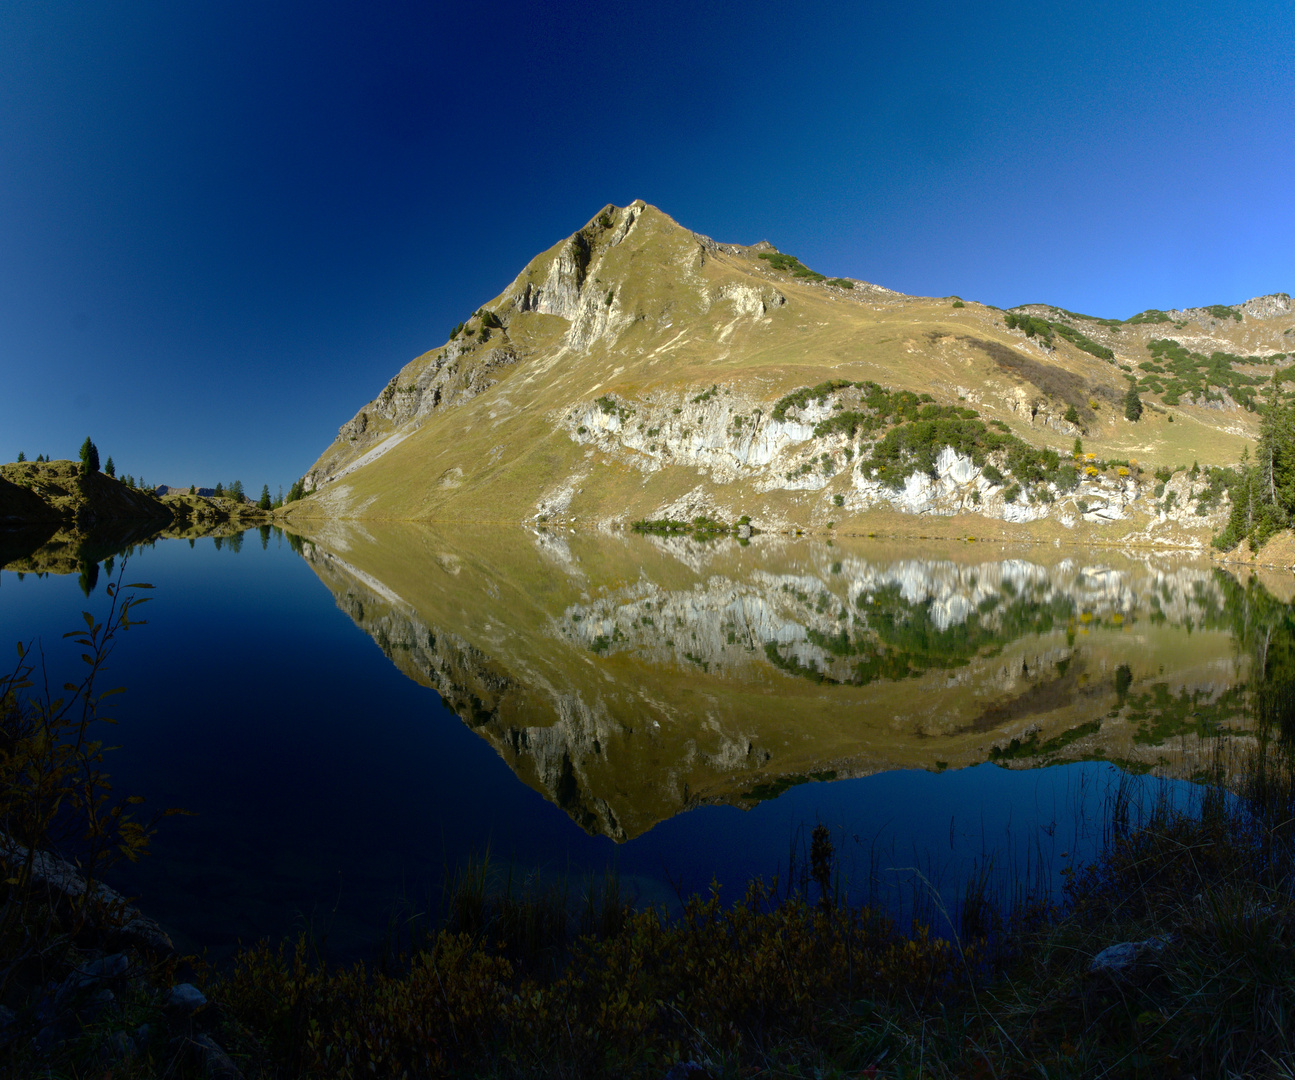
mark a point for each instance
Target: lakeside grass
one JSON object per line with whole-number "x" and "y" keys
{"x": 538, "y": 980}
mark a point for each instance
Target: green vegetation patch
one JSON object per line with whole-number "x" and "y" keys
{"x": 917, "y": 444}
{"x": 1174, "y": 371}
{"x": 916, "y": 430}
{"x": 1151, "y": 315}
{"x": 773, "y": 788}
{"x": 1030, "y": 746}
{"x": 793, "y": 266}
{"x": 611, "y": 407}
{"x": 893, "y": 638}
{"x": 1034, "y": 326}
{"x": 798, "y": 399}
{"x": 1082, "y": 342}
{"x": 1160, "y": 716}
{"x": 1029, "y": 325}
{"x": 700, "y": 528}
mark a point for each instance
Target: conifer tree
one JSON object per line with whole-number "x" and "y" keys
{"x": 1132, "y": 404}
{"x": 265, "y": 503}
{"x": 22, "y": 456}
{"x": 109, "y": 468}
{"x": 89, "y": 457}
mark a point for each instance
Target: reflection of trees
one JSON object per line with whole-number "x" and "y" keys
{"x": 48, "y": 550}
{"x": 1264, "y": 629}
{"x": 89, "y": 577}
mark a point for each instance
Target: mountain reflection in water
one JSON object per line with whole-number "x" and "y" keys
{"x": 628, "y": 678}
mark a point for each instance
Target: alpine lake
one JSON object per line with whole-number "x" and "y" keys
{"x": 352, "y": 718}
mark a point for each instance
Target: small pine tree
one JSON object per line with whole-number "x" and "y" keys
{"x": 265, "y": 503}
{"x": 235, "y": 491}
{"x": 220, "y": 490}
{"x": 22, "y": 456}
{"x": 1132, "y": 404}
{"x": 109, "y": 468}
{"x": 1079, "y": 446}
{"x": 1072, "y": 415}
{"x": 193, "y": 489}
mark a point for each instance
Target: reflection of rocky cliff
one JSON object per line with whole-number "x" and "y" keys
{"x": 862, "y": 622}
{"x": 630, "y": 683}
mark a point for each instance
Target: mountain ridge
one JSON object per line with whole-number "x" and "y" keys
{"x": 634, "y": 358}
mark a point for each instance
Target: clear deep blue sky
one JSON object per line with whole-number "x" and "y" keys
{"x": 225, "y": 225}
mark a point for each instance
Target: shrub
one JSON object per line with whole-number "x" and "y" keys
{"x": 1012, "y": 493}
{"x": 1149, "y": 316}
{"x": 959, "y": 304}
{"x": 790, "y": 263}
{"x": 1176, "y": 371}
{"x": 1030, "y": 325}
{"x": 1082, "y": 341}
{"x": 55, "y": 794}
{"x": 798, "y": 399}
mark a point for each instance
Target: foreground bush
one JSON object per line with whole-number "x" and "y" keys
{"x": 719, "y": 983}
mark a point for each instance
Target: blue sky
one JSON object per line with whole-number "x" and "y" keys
{"x": 225, "y": 225}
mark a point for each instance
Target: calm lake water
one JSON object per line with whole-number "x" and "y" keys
{"x": 350, "y": 717}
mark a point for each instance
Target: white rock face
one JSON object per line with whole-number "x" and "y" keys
{"x": 729, "y": 435}
{"x": 1275, "y": 305}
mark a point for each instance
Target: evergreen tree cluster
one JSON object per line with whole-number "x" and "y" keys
{"x": 1263, "y": 499}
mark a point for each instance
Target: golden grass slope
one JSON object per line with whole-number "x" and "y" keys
{"x": 644, "y": 314}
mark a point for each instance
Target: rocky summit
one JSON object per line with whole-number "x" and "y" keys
{"x": 640, "y": 372}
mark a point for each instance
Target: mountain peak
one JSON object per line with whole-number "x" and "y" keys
{"x": 637, "y": 369}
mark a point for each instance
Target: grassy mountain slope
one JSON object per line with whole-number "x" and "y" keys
{"x": 633, "y": 371}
